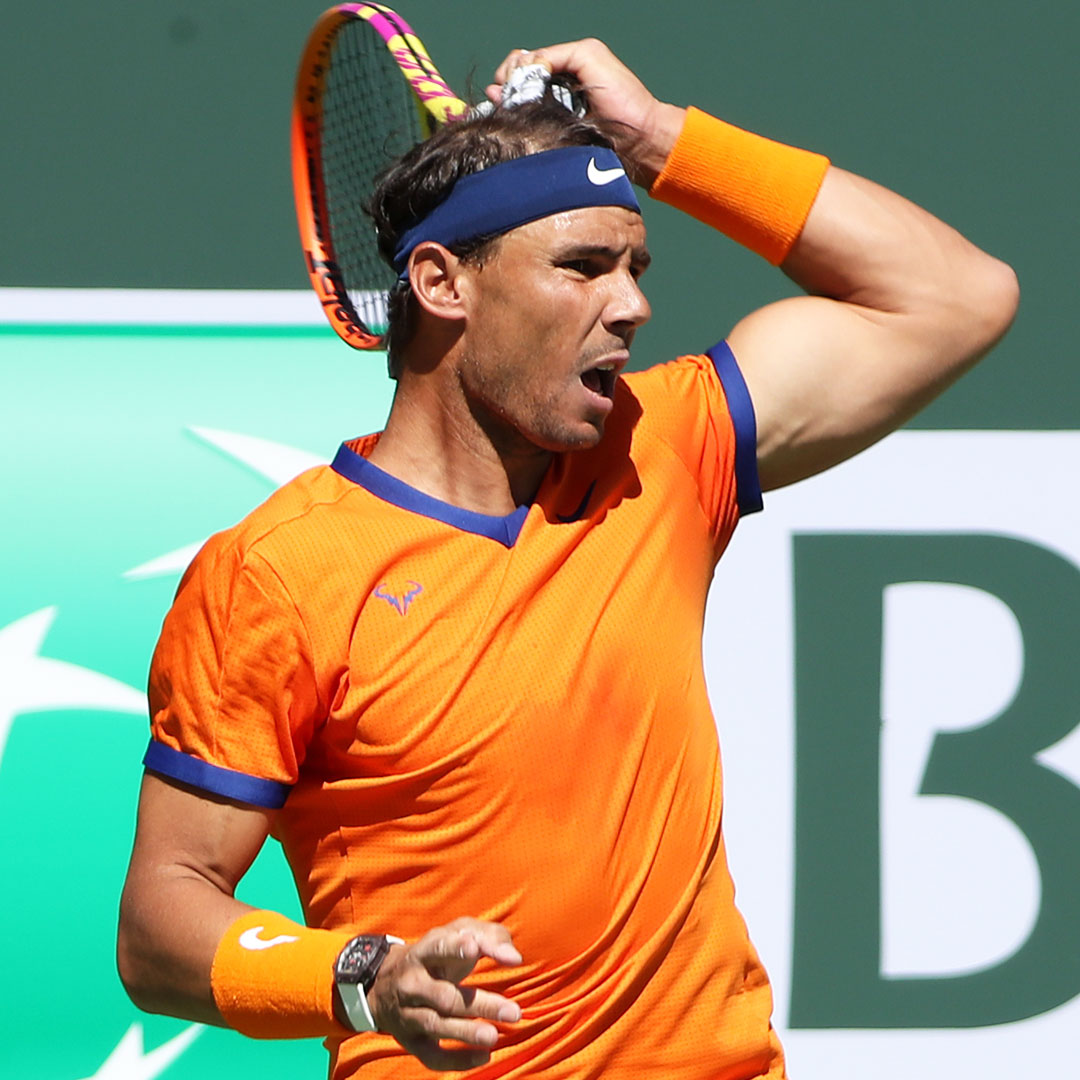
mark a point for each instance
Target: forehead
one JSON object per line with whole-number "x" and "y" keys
{"x": 590, "y": 226}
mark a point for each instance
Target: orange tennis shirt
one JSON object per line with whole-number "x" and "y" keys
{"x": 504, "y": 717}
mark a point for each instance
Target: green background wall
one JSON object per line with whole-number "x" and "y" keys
{"x": 146, "y": 144}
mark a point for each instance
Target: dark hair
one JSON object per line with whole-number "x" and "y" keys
{"x": 423, "y": 177}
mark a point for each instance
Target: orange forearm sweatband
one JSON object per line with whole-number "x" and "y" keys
{"x": 274, "y": 979}
{"x": 757, "y": 191}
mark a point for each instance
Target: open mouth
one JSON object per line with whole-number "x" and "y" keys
{"x": 601, "y": 380}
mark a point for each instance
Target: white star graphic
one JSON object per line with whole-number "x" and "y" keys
{"x": 275, "y": 461}
{"x": 30, "y": 682}
{"x": 129, "y": 1062}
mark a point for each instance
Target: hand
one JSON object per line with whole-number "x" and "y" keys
{"x": 646, "y": 129}
{"x": 417, "y": 996}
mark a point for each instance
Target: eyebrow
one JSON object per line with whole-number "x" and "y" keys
{"x": 639, "y": 255}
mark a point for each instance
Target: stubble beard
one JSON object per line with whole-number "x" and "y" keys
{"x": 515, "y": 423}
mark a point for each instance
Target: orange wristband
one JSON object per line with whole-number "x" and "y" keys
{"x": 756, "y": 191}
{"x": 274, "y": 979}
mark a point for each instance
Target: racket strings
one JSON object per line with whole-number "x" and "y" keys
{"x": 370, "y": 117}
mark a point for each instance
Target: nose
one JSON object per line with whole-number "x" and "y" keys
{"x": 628, "y": 308}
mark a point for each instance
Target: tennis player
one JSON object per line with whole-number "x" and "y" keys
{"x": 458, "y": 672}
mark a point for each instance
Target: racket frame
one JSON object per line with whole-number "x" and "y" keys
{"x": 436, "y": 104}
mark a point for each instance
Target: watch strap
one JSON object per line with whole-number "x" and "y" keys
{"x": 357, "y": 966}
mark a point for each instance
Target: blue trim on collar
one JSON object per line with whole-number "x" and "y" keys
{"x": 359, "y": 470}
{"x": 213, "y": 778}
{"x": 741, "y": 409}
{"x": 513, "y": 193}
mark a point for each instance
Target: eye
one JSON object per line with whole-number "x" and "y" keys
{"x": 586, "y": 267}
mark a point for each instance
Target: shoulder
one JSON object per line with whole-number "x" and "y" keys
{"x": 295, "y": 508}
{"x": 707, "y": 384}
{"x": 289, "y": 530}
{"x": 682, "y": 376}
{"x": 699, "y": 408}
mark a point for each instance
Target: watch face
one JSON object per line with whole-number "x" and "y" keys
{"x": 359, "y": 961}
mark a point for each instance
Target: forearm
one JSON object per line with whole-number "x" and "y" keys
{"x": 896, "y": 263}
{"x": 201, "y": 955}
{"x": 170, "y": 927}
{"x": 187, "y": 947}
{"x": 835, "y": 234}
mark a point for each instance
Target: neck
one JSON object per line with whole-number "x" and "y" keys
{"x": 435, "y": 442}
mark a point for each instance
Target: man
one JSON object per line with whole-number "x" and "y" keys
{"x": 458, "y": 674}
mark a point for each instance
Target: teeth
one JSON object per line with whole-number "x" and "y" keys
{"x": 605, "y": 367}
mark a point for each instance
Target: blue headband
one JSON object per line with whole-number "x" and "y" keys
{"x": 513, "y": 193}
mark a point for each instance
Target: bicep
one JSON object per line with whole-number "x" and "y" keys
{"x": 900, "y": 306}
{"x": 828, "y": 379}
{"x": 190, "y": 851}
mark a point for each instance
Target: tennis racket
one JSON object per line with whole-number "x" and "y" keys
{"x": 366, "y": 92}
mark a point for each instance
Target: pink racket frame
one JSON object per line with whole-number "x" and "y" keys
{"x": 436, "y": 104}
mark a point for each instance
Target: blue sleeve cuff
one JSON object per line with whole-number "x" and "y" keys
{"x": 177, "y": 765}
{"x": 741, "y": 410}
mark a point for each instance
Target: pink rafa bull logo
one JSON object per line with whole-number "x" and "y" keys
{"x": 399, "y": 598}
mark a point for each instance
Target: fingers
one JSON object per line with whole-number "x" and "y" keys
{"x": 417, "y": 996}
{"x": 449, "y": 1000}
{"x": 418, "y": 991}
{"x": 614, "y": 91}
{"x": 590, "y": 61}
{"x": 429, "y": 1025}
{"x": 451, "y": 951}
{"x": 644, "y": 128}
{"x": 519, "y": 58}
{"x": 445, "y": 1059}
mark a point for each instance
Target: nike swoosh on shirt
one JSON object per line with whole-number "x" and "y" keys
{"x": 600, "y": 176}
{"x": 250, "y": 939}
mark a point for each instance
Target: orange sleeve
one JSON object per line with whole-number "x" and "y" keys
{"x": 233, "y": 696}
{"x": 699, "y": 406}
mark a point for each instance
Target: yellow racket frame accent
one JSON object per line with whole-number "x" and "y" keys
{"x": 435, "y": 102}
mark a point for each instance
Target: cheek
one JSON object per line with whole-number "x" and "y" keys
{"x": 535, "y": 342}
{"x": 529, "y": 338}
{"x": 560, "y": 330}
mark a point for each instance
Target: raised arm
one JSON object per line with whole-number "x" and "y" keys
{"x": 901, "y": 304}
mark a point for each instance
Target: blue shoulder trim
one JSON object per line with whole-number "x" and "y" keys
{"x": 213, "y": 778}
{"x": 359, "y": 470}
{"x": 741, "y": 408}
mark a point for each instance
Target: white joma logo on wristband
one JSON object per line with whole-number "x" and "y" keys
{"x": 250, "y": 939}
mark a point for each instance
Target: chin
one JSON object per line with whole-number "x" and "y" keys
{"x": 566, "y": 442}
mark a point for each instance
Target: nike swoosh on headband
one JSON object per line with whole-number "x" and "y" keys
{"x": 599, "y": 177}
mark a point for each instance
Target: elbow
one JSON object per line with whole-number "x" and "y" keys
{"x": 131, "y": 969}
{"x": 142, "y": 985}
{"x": 992, "y": 297}
{"x": 1003, "y": 298}
{"x": 138, "y": 963}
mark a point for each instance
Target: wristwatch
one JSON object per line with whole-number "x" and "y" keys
{"x": 354, "y": 972}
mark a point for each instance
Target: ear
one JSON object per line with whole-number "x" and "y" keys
{"x": 437, "y": 277}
